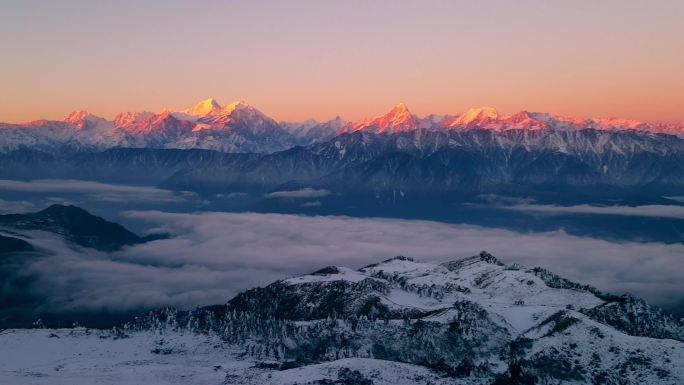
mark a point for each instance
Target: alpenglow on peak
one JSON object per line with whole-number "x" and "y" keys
{"x": 204, "y": 107}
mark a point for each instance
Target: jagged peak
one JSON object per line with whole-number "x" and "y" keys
{"x": 388, "y": 260}
{"x": 310, "y": 121}
{"x": 204, "y": 107}
{"x": 127, "y": 118}
{"x": 76, "y": 116}
{"x": 521, "y": 115}
{"x": 482, "y": 257}
{"x": 165, "y": 115}
{"x": 327, "y": 270}
{"x": 80, "y": 116}
{"x": 337, "y": 122}
{"x": 398, "y": 258}
{"x": 326, "y": 275}
{"x": 475, "y": 115}
{"x": 238, "y": 104}
{"x": 63, "y": 209}
{"x": 398, "y": 119}
{"x": 554, "y": 280}
{"x": 83, "y": 119}
{"x": 399, "y": 114}
{"x": 240, "y": 107}
{"x": 486, "y": 257}
{"x": 400, "y": 108}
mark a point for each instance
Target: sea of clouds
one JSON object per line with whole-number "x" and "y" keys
{"x": 214, "y": 255}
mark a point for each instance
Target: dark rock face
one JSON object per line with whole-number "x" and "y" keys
{"x": 76, "y": 225}
{"x": 22, "y": 288}
{"x": 635, "y": 317}
{"x": 14, "y": 245}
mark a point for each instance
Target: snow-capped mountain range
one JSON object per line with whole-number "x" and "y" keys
{"x": 239, "y": 127}
{"x": 400, "y": 119}
{"x": 468, "y": 321}
{"x": 216, "y": 149}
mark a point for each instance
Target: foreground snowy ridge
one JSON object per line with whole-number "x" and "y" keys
{"x": 470, "y": 321}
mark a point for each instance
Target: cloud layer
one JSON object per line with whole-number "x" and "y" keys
{"x": 215, "y": 255}
{"x": 299, "y": 194}
{"x": 104, "y": 192}
{"x": 15, "y": 207}
{"x": 659, "y": 211}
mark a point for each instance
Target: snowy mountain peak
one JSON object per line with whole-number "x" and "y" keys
{"x": 78, "y": 117}
{"x": 127, "y": 119}
{"x": 398, "y": 119}
{"x": 476, "y": 116}
{"x": 83, "y": 119}
{"x": 239, "y": 127}
{"x": 400, "y": 108}
{"x": 205, "y": 107}
{"x": 238, "y": 105}
{"x": 242, "y": 110}
{"x": 312, "y": 130}
{"x": 336, "y": 123}
{"x": 240, "y": 118}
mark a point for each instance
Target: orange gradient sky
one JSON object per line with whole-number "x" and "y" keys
{"x": 299, "y": 59}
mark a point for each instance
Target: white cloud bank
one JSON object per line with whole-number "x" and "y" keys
{"x": 658, "y": 211}
{"x": 215, "y": 255}
{"x": 15, "y": 207}
{"x": 104, "y": 192}
{"x": 299, "y": 194}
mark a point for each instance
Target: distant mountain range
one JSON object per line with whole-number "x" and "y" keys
{"x": 239, "y": 127}
{"x": 402, "y": 164}
{"x": 214, "y": 149}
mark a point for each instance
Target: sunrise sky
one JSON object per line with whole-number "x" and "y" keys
{"x": 299, "y": 59}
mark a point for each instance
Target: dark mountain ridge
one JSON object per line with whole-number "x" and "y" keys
{"x": 472, "y": 161}
{"x": 20, "y": 247}
{"x": 75, "y": 225}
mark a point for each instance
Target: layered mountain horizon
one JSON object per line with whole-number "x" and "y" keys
{"x": 396, "y": 158}
{"x": 240, "y": 127}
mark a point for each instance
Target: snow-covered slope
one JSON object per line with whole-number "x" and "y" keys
{"x": 476, "y": 319}
{"x": 310, "y": 131}
{"x": 470, "y": 321}
{"x": 81, "y": 356}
